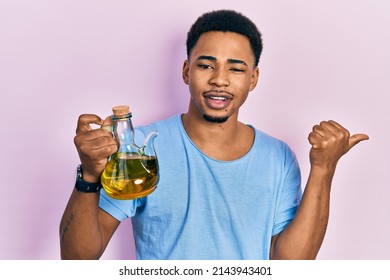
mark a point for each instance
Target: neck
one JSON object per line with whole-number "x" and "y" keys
{"x": 223, "y": 141}
{"x": 200, "y": 129}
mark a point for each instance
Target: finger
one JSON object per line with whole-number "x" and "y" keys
{"x": 336, "y": 124}
{"x": 96, "y": 148}
{"x": 333, "y": 126}
{"x": 84, "y": 121}
{"x": 107, "y": 124}
{"x": 337, "y": 130}
{"x": 355, "y": 139}
{"x": 314, "y": 139}
{"x": 102, "y": 146}
{"x": 320, "y": 130}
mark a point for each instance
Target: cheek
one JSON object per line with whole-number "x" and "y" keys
{"x": 242, "y": 85}
{"x": 193, "y": 88}
{"x": 195, "y": 82}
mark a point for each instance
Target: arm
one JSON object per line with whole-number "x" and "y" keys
{"x": 303, "y": 237}
{"x": 85, "y": 229}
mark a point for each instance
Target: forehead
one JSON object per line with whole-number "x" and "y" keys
{"x": 224, "y": 45}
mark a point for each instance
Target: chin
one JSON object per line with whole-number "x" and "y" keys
{"x": 214, "y": 119}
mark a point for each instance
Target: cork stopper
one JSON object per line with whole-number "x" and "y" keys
{"x": 120, "y": 111}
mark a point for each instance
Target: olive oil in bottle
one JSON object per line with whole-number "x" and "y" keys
{"x": 129, "y": 176}
{"x": 132, "y": 172}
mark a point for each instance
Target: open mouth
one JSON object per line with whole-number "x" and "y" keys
{"x": 217, "y": 101}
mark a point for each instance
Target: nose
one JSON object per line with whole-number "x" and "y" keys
{"x": 219, "y": 77}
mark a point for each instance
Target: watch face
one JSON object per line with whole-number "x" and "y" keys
{"x": 79, "y": 173}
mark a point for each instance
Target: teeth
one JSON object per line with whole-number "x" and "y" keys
{"x": 218, "y": 98}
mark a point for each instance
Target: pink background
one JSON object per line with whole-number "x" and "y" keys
{"x": 58, "y": 59}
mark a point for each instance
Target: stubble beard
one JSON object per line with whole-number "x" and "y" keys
{"x": 215, "y": 119}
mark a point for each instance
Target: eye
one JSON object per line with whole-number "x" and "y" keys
{"x": 205, "y": 66}
{"x": 237, "y": 70}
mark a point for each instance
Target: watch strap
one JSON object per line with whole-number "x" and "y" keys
{"x": 83, "y": 186}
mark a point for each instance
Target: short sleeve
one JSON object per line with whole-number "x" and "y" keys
{"x": 119, "y": 209}
{"x": 290, "y": 193}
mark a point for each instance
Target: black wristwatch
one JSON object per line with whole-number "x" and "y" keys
{"x": 83, "y": 186}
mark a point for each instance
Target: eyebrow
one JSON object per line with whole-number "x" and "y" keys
{"x": 207, "y": 57}
{"x": 230, "y": 60}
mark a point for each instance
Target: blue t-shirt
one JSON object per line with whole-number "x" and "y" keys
{"x": 210, "y": 209}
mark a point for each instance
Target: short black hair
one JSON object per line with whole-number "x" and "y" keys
{"x": 225, "y": 21}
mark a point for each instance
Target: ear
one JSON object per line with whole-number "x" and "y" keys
{"x": 254, "y": 78}
{"x": 186, "y": 67}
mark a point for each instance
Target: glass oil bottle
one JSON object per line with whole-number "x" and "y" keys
{"x": 132, "y": 172}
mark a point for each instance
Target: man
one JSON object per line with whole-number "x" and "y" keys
{"x": 226, "y": 189}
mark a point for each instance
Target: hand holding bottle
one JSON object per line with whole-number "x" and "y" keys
{"x": 94, "y": 146}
